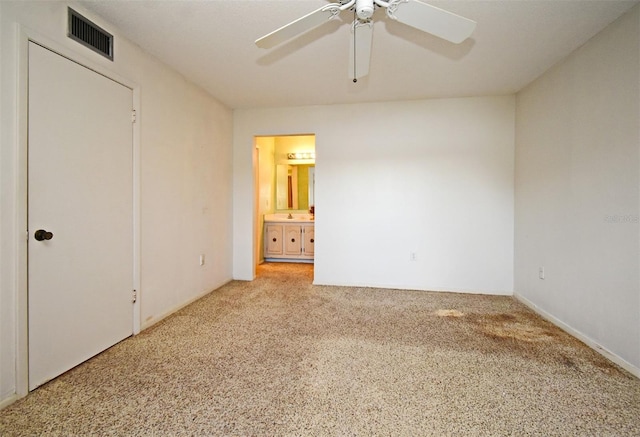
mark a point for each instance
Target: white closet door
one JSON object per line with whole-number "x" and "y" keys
{"x": 80, "y": 190}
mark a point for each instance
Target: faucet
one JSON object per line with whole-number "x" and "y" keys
{"x": 289, "y": 216}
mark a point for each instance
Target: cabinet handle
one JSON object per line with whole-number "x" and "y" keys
{"x": 293, "y": 240}
{"x": 312, "y": 240}
{"x": 275, "y": 239}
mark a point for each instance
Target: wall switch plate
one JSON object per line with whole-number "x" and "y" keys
{"x": 202, "y": 259}
{"x": 413, "y": 256}
{"x": 541, "y": 273}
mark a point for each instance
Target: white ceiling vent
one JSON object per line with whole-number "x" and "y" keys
{"x": 90, "y": 35}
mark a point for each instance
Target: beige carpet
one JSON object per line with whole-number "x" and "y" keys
{"x": 279, "y": 356}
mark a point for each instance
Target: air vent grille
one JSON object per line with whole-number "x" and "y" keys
{"x": 88, "y": 34}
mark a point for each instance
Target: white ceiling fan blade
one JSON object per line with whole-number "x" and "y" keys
{"x": 430, "y": 19}
{"x": 361, "y": 38}
{"x": 299, "y": 26}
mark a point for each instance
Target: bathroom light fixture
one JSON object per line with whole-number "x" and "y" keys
{"x": 301, "y": 155}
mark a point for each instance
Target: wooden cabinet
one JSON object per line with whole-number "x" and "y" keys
{"x": 308, "y": 233}
{"x": 289, "y": 241}
{"x": 273, "y": 240}
{"x": 292, "y": 240}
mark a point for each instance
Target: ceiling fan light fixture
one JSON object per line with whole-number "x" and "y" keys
{"x": 364, "y": 9}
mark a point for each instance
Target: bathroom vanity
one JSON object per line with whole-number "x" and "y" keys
{"x": 289, "y": 238}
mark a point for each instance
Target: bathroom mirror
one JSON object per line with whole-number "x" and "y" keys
{"x": 294, "y": 186}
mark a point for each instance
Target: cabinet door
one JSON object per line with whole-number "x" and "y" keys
{"x": 293, "y": 240}
{"x": 273, "y": 241}
{"x": 309, "y": 240}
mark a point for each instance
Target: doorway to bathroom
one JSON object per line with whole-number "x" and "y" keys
{"x": 285, "y": 198}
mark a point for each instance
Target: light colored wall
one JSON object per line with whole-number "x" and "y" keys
{"x": 185, "y": 175}
{"x": 293, "y": 144}
{"x": 266, "y": 186}
{"x": 577, "y": 196}
{"x": 432, "y": 177}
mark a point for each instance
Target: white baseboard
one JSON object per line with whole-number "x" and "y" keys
{"x": 411, "y": 287}
{"x": 8, "y": 401}
{"x": 582, "y": 337}
{"x": 148, "y": 323}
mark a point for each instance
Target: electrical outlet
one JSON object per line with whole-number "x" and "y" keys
{"x": 541, "y": 273}
{"x": 413, "y": 256}
{"x": 202, "y": 259}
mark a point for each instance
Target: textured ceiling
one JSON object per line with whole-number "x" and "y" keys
{"x": 212, "y": 43}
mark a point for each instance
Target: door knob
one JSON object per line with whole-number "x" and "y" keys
{"x": 41, "y": 235}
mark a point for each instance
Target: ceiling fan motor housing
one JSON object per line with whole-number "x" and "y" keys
{"x": 364, "y": 9}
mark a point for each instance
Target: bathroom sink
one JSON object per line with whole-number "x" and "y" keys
{"x": 299, "y": 219}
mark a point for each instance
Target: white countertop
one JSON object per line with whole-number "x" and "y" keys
{"x": 285, "y": 217}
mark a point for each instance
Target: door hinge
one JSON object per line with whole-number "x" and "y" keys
{"x": 133, "y": 116}
{"x": 135, "y": 296}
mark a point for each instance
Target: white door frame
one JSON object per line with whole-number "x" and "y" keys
{"x": 26, "y": 35}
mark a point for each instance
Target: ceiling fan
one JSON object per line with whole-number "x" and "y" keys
{"x": 414, "y": 13}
